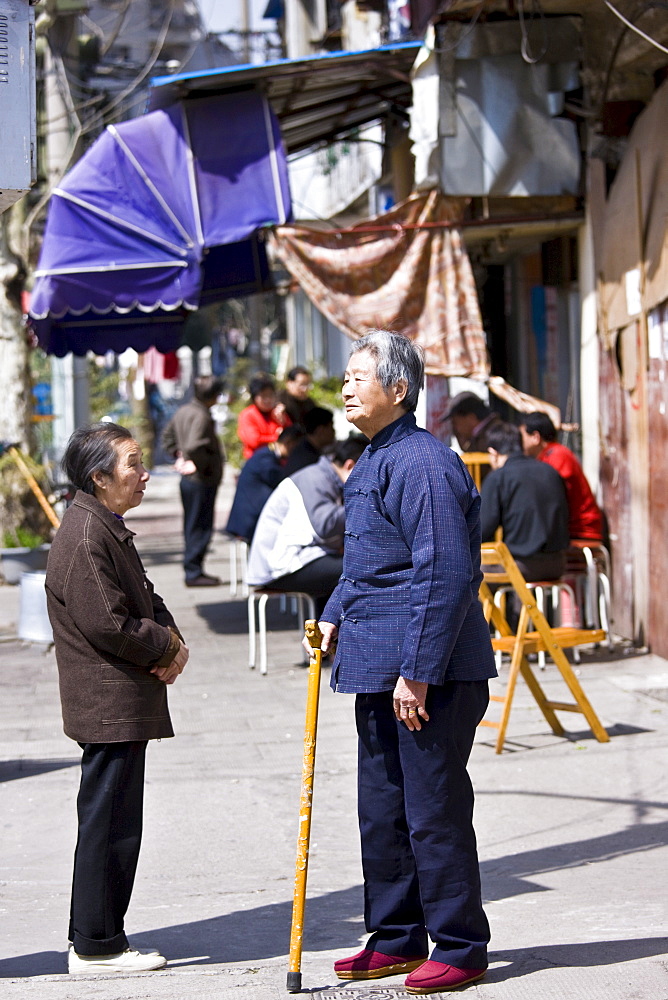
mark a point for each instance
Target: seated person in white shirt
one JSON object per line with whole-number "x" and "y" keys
{"x": 298, "y": 541}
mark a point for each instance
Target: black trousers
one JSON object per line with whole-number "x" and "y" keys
{"x": 415, "y": 802}
{"x": 198, "y": 508}
{"x": 110, "y": 810}
{"x": 318, "y": 578}
{"x": 542, "y": 566}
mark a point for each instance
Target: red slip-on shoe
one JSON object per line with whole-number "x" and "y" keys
{"x": 367, "y": 964}
{"x": 433, "y": 977}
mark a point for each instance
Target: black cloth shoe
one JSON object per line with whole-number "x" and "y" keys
{"x": 204, "y": 581}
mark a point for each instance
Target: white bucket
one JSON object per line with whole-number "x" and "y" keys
{"x": 34, "y": 624}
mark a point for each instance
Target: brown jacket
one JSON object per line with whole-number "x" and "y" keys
{"x": 109, "y": 629}
{"x": 192, "y": 432}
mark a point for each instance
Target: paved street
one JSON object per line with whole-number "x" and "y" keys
{"x": 572, "y": 833}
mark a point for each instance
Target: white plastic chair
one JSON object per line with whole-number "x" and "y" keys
{"x": 262, "y": 595}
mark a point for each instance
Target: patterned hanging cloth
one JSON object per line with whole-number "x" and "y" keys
{"x": 401, "y": 271}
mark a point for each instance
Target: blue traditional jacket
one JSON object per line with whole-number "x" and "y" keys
{"x": 407, "y": 602}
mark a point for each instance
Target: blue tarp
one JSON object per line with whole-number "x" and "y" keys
{"x": 162, "y": 214}
{"x": 274, "y": 11}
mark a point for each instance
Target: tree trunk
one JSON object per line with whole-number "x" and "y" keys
{"x": 15, "y": 387}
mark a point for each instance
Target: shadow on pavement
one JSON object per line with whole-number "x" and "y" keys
{"x": 332, "y": 921}
{"x": 160, "y": 557}
{"x": 10, "y": 770}
{"x": 231, "y": 617}
{"x": 523, "y": 961}
{"x": 40, "y": 963}
{"x": 509, "y": 876}
{"x": 541, "y": 740}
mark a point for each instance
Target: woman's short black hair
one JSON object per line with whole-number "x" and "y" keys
{"x": 92, "y": 449}
{"x": 294, "y": 372}
{"x": 208, "y": 387}
{"x": 259, "y": 383}
{"x": 352, "y": 447}
{"x": 319, "y": 416}
{"x": 504, "y": 438}
{"x": 294, "y": 433}
{"x": 541, "y": 423}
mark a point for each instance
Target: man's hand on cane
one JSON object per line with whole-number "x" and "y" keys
{"x": 409, "y": 702}
{"x": 329, "y": 633}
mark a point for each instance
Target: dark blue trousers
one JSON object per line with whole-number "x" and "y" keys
{"x": 198, "y": 508}
{"x": 110, "y": 811}
{"x": 415, "y": 802}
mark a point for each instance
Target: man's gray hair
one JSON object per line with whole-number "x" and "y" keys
{"x": 396, "y": 358}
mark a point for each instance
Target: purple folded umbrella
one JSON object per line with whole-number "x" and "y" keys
{"x": 162, "y": 214}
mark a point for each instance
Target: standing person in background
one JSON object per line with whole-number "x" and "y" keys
{"x": 190, "y": 437}
{"x": 117, "y": 648}
{"x": 319, "y": 427}
{"x": 295, "y": 397}
{"x": 539, "y": 440}
{"x": 414, "y": 647}
{"x": 262, "y": 421}
{"x": 258, "y": 479}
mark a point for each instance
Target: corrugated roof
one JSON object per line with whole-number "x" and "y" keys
{"x": 316, "y": 98}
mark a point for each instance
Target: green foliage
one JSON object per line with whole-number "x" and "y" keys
{"x": 22, "y": 538}
{"x": 103, "y": 390}
{"x": 236, "y": 382}
{"x": 327, "y": 392}
{"x": 23, "y": 521}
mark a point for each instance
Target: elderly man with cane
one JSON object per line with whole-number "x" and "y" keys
{"x": 414, "y": 648}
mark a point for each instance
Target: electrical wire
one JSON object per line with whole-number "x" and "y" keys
{"x": 116, "y": 30}
{"x": 537, "y": 10}
{"x": 638, "y": 31}
{"x": 64, "y": 83}
{"x": 152, "y": 59}
{"x": 64, "y": 91}
{"x": 455, "y": 45}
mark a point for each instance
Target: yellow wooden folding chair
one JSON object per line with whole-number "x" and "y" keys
{"x": 475, "y": 462}
{"x": 499, "y": 567}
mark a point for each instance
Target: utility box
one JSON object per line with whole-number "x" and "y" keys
{"x": 17, "y": 100}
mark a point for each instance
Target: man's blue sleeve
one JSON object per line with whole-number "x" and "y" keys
{"x": 433, "y": 498}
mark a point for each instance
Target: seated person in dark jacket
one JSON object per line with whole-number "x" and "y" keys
{"x": 258, "y": 479}
{"x": 527, "y": 499}
{"x": 319, "y": 427}
{"x": 298, "y": 544}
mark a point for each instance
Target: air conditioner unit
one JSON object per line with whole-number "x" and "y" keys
{"x": 17, "y": 100}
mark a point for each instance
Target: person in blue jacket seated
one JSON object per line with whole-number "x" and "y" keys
{"x": 258, "y": 479}
{"x": 414, "y": 648}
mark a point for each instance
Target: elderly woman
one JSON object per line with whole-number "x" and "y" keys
{"x": 117, "y": 648}
{"x": 414, "y": 647}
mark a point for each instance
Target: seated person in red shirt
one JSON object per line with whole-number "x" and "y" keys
{"x": 539, "y": 440}
{"x": 262, "y": 421}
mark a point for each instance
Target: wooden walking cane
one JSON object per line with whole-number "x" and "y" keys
{"x": 314, "y": 636}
